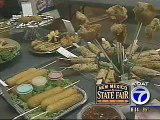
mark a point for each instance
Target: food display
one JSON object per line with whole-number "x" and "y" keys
{"x": 54, "y": 41}
{"x": 34, "y": 89}
{"x": 9, "y": 49}
{"x": 31, "y": 21}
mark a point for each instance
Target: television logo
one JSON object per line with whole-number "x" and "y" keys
{"x": 140, "y": 95}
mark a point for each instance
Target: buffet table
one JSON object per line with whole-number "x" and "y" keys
{"x": 27, "y": 60}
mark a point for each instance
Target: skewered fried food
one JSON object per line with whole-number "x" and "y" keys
{"x": 117, "y": 13}
{"x": 135, "y": 76}
{"x": 149, "y": 58}
{"x": 67, "y": 40}
{"x": 37, "y": 99}
{"x": 82, "y": 60}
{"x": 134, "y": 47}
{"x": 28, "y": 79}
{"x": 120, "y": 32}
{"x": 144, "y": 72}
{"x": 144, "y": 12}
{"x": 81, "y": 18}
{"x": 153, "y": 27}
{"x": 89, "y": 32}
{"x": 146, "y": 53}
{"x": 85, "y": 52}
{"x": 12, "y": 81}
{"x": 105, "y": 44}
{"x": 102, "y": 74}
{"x": 85, "y": 67}
{"x": 93, "y": 48}
{"x": 54, "y": 98}
{"x": 64, "y": 103}
{"x": 151, "y": 64}
{"x": 110, "y": 76}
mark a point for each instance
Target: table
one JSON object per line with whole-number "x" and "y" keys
{"x": 27, "y": 60}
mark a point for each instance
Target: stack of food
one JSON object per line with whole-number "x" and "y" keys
{"x": 36, "y": 89}
{"x": 55, "y": 41}
{"x": 8, "y": 49}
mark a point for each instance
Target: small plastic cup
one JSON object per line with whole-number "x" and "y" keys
{"x": 25, "y": 91}
{"x": 90, "y": 105}
{"x": 39, "y": 82}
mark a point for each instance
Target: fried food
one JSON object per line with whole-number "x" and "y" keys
{"x": 12, "y": 81}
{"x": 144, "y": 72}
{"x": 86, "y": 52}
{"x": 105, "y": 44}
{"x": 88, "y": 67}
{"x": 28, "y": 79}
{"x": 120, "y": 32}
{"x": 81, "y": 60}
{"x": 27, "y": 19}
{"x": 81, "y": 18}
{"x": 117, "y": 13}
{"x": 93, "y": 48}
{"x": 54, "y": 98}
{"x": 110, "y": 76}
{"x": 36, "y": 18}
{"x": 37, "y": 99}
{"x": 89, "y": 32}
{"x": 134, "y": 48}
{"x": 64, "y": 103}
{"x": 102, "y": 74}
{"x": 153, "y": 27}
{"x": 146, "y": 53}
{"x": 149, "y": 59}
{"x": 144, "y": 12}
{"x": 150, "y": 64}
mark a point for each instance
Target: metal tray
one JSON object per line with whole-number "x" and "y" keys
{"x": 20, "y": 110}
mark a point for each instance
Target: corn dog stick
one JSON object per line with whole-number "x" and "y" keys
{"x": 39, "y": 68}
{"x": 41, "y": 105}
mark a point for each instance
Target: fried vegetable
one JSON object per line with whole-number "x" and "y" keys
{"x": 93, "y": 48}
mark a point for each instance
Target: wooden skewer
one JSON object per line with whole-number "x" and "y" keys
{"x": 40, "y": 105}
{"x": 116, "y": 69}
{"x": 1, "y": 93}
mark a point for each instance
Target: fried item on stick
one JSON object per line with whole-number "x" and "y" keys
{"x": 117, "y": 13}
{"x": 93, "y": 48}
{"x": 153, "y": 27}
{"x": 152, "y": 64}
{"x": 81, "y": 18}
{"x": 86, "y": 52}
{"x": 144, "y": 12}
{"x": 102, "y": 74}
{"x": 81, "y": 59}
{"x": 120, "y": 32}
{"x": 144, "y": 72}
{"x": 12, "y": 81}
{"x": 36, "y": 100}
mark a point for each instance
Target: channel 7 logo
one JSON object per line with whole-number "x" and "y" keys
{"x": 140, "y": 95}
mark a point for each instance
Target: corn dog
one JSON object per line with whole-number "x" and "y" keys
{"x": 12, "y": 81}
{"x": 85, "y": 67}
{"x": 110, "y": 76}
{"x": 28, "y": 79}
{"x": 81, "y": 60}
{"x": 93, "y": 48}
{"x": 64, "y": 103}
{"x": 37, "y": 99}
{"x": 85, "y": 52}
{"x": 146, "y": 53}
{"x": 151, "y": 64}
{"x": 54, "y": 98}
{"x": 102, "y": 74}
{"x": 149, "y": 58}
{"x": 144, "y": 72}
{"x": 105, "y": 44}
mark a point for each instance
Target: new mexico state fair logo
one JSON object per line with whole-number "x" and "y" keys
{"x": 113, "y": 93}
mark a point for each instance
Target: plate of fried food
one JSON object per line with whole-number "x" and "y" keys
{"x": 31, "y": 21}
{"x": 53, "y": 41}
{"x": 9, "y": 49}
{"x": 36, "y": 95}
